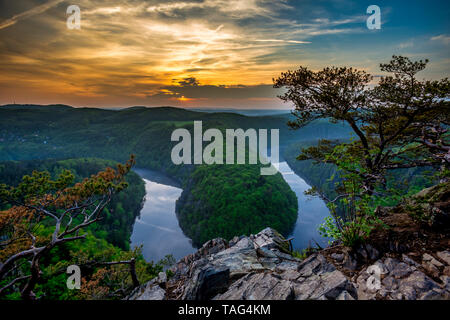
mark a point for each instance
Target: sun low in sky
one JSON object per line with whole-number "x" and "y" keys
{"x": 210, "y": 53}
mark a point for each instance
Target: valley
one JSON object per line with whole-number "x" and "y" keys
{"x": 216, "y": 201}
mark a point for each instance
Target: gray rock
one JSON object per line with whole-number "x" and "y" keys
{"x": 212, "y": 246}
{"x": 240, "y": 259}
{"x": 290, "y": 275}
{"x": 339, "y": 257}
{"x": 162, "y": 278}
{"x": 430, "y": 259}
{"x": 149, "y": 291}
{"x": 400, "y": 281}
{"x": 264, "y": 252}
{"x": 401, "y": 270}
{"x": 416, "y": 286}
{"x": 234, "y": 241}
{"x": 269, "y": 238}
{"x": 389, "y": 283}
{"x": 446, "y": 282}
{"x": 239, "y": 263}
{"x": 345, "y": 296}
{"x": 286, "y": 266}
{"x": 446, "y": 271}
{"x": 319, "y": 279}
{"x": 329, "y": 285}
{"x": 350, "y": 263}
{"x": 269, "y": 263}
{"x": 409, "y": 261}
{"x": 259, "y": 286}
{"x": 432, "y": 265}
{"x": 285, "y": 256}
{"x": 372, "y": 252}
{"x": 207, "y": 283}
{"x": 155, "y": 293}
{"x": 315, "y": 264}
{"x": 444, "y": 256}
{"x": 431, "y": 268}
{"x": 362, "y": 252}
{"x": 260, "y": 267}
{"x": 435, "y": 295}
{"x": 390, "y": 264}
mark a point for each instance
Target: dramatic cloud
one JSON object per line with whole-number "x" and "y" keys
{"x": 182, "y": 53}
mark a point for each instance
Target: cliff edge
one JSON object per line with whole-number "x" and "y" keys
{"x": 260, "y": 267}
{"x": 408, "y": 260}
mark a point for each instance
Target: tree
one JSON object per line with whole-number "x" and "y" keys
{"x": 425, "y": 110}
{"x": 40, "y": 201}
{"x": 400, "y": 123}
{"x": 384, "y": 119}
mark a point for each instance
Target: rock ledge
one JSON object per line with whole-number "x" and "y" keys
{"x": 259, "y": 267}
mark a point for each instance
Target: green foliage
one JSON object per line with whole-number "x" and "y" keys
{"x": 350, "y": 233}
{"x": 400, "y": 123}
{"x": 229, "y": 200}
{"x": 119, "y": 215}
{"x": 323, "y": 176}
{"x": 49, "y": 220}
{"x": 305, "y": 253}
{"x": 52, "y": 285}
{"x": 50, "y": 132}
{"x": 357, "y": 219}
{"x": 430, "y": 205}
{"x": 326, "y": 179}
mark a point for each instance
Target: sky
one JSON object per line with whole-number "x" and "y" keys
{"x": 202, "y": 53}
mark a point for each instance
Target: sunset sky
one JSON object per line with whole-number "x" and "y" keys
{"x": 210, "y": 53}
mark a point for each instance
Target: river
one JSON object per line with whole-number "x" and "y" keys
{"x": 157, "y": 226}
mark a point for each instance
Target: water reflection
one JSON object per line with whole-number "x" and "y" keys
{"x": 312, "y": 210}
{"x": 158, "y": 230}
{"x": 157, "y": 227}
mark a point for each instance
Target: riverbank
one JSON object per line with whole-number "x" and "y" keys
{"x": 158, "y": 230}
{"x": 261, "y": 267}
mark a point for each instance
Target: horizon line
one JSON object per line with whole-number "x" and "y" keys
{"x": 141, "y": 106}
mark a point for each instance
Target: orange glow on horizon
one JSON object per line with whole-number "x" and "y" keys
{"x": 184, "y": 99}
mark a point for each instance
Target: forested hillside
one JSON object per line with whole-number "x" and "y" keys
{"x": 119, "y": 215}
{"x": 228, "y": 202}
{"x": 325, "y": 177}
{"x": 69, "y": 197}
{"x": 42, "y": 132}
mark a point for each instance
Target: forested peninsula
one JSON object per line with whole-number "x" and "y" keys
{"x": 31, "y": 132}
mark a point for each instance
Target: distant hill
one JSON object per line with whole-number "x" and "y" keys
{"x": 51, "y": 132}
{"x": 246, "y": 112}
{"x": 35, "y": 106}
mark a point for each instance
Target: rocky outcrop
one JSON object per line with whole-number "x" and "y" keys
{"x": 431, "y": 206}
{"x": 260, "y": 267}
{"x": 403, "y": 280}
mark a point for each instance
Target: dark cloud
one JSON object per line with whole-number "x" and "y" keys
{"x": 187, "y": 82}
{"x": 192, "y": 89}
